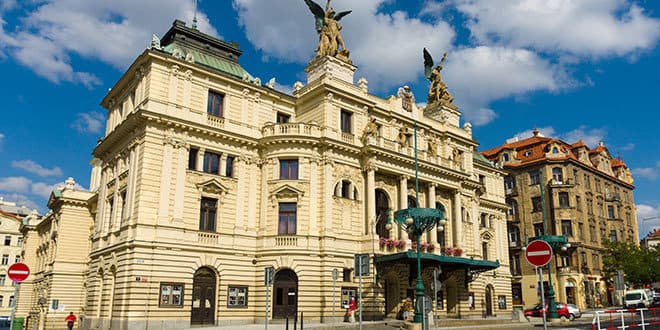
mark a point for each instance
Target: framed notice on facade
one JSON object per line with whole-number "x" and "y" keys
{"x": 346, "y": 295}
{"x": 171, "y": 295}
{"x": 471, "y": 301}
{"x": 237, "y": 296}
{"x": 501, "y": 302}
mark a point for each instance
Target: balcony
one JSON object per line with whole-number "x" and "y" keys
{"x": 612, "y": 197}
{"x": 566, "y": 270}
{"x": 206, "y": 238}
{"x": 561, "y": 183}
{"x": 511, "y": 191}
{"x": 291, "y": 129}
{"x": 286, "y": 241}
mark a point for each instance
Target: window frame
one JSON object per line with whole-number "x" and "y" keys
{"x": 282, "y": 118}
{"x": 229, "y": 166}
{"x": 205, "y": 210}
{"x": 8, "y": 240}
{"x": 192, "y": 158}
{"x": 567, "y": 227}
{"x": 5, "y": 260}
{"x": 215, "y": 107}
{"x": 289, "y": 169}
{"x": 287, "y": 219}
{"x": 208, "y": 164}
{"x": 238, "y": 288}
{"x": 564, "y": 199}
{"x": 346, "y": 121}
{"x": 169, "y": 303}
{"x": 534, "y": 178}
{"x": 537, "y": 204}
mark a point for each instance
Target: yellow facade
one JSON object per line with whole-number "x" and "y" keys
{"x": 205, "y": 177}
{"x": 11, "y": 242}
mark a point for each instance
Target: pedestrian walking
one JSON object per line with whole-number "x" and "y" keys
{"x": 70, "y": 320}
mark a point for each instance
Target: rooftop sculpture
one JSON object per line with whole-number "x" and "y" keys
{"x": 438, "y": 91}
{"x": 328, "y": 28}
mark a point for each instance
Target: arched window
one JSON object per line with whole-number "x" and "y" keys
{"x": 505, "y": 157}
{"x": 382, "y": 207}
{"x": 557, "y": 175}
{"x": 555, "y": 150}
{"x": 346, "y": 189}
{"x": 412, "y": 202}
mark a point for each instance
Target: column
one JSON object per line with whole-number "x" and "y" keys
{"x": 371, "y": 197}
{"x": 223, "y": 165}
{"x": 328, "y": 164}
{"x": 165, "y": 181}
{"x": 314, "y": 196}
{"x": 431, "y": 204}
{"x": 457, "y": 221}
{"x": 180, "y": 182}
{"x": 200, "y": 160}
{"x": 242, "y": 177}
{"x": 403, "y": 201}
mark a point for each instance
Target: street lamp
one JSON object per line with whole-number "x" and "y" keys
{"x": 416, "y": 221}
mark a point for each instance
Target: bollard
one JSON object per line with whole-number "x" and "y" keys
{"x": 287, "y": 322}
{"x": 302, "y": 319}
{"x": 295, "y": 321}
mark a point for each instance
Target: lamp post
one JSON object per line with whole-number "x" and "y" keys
{"x": 416, "y": 221}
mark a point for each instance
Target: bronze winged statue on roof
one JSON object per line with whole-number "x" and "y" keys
{"x": 438, "y": 90}
{"x": 329, "y": 30}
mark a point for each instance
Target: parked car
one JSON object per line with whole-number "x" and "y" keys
{"x": 574, "y": 311}
{"x": 640, "y": 298}
{"x": 562, "y": 311}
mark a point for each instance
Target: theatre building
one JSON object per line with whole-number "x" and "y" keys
{"x": 206, "y": 176}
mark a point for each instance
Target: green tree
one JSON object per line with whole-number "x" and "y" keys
{"x": 640, "y": 265}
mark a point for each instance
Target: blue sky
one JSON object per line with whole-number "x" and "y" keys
{"x": 575, "y": 69}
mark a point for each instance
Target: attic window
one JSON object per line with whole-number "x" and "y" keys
{"x": 528, "y": 153}
{"x": 555, "y": 150}
{"x": 505, "y": 157}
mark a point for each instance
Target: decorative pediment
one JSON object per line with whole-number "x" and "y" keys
{"x": 487, "y": 235}
{"x": 286, "y": 191}
{"x": 212, "y": 186}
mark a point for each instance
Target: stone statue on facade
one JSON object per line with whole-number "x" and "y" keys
{"x": 404, "y": 135}
{"x": 371, "y": 129}
{"x": 329, "y": 30}
{"x": 407, "y": 98}
{"x": 438, "y": 91}
{"x": 432, "y": 146}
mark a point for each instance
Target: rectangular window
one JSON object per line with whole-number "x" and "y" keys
{"x": 592, "y": 233}
{"x": 590, "y": 206}
{"x": 578, "y": 203}
{"x": 123, "y": 206}
{"x": 282, "y": 118}
{"x": 576, "y": 176}
{"x": 19, "y": 242}
{"x": 211, "y": 163}
{"x": 566, "y": 228}
{"x": 7, "y": 240}
{"x": 501, "y": 302}
{"x": 346, "y": 275}
{"x": 346, "y": 118}
{"x": 610, "y": 212}
{"x": 538, "y": 229}
{"x": 229, "y": 170}
{"x": 192, "y": 159}
{"x": 534, "y": 177}
{"x": 509, "y": 183}
{"x": 581, "y": 231}
{"x": 612, "y": 236}
{"x": 563, "y": 200}
{"x": 2, "y": 279}
{"x": 5, "y": 259}
{"x": 536, "y": 204}
{"x": 287, "y": 219}
{"x": 215, "y": 106}
{"x": 595, "y": 261}
{"x": 2, "y": 298}
{"x": 288, "y": 169}
{"x": 11, "y": 301}
{"x": 484, "y": 250}
{"x": 237, "y": 296}
{"x": 111, "y": 207}
{"x": 587, "y": 181}
{"x": 17, "y": 259}
{"x": 207, "y": 214}
{"x": 171, "y": 295}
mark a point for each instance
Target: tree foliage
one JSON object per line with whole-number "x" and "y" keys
{"x": 640, "y": 265}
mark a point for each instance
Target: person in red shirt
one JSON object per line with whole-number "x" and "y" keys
{"x": 352, "y": 307}
{"x": 70, "y": 320}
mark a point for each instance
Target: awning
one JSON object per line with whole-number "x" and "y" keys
{"x": 446, "y": 262}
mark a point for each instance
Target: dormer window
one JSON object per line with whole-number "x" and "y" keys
{"x": 505, "y": 157}
{"x": 555, "y": 150}
{"x": 528, "y": 153}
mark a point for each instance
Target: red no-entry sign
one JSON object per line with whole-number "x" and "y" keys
{"x": 18, "y": 272}
{"x": 538, "y": 253}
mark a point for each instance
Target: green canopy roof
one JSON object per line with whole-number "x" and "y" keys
{"x": 442, "y": 260}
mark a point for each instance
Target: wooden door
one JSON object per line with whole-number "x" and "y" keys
{"x": 285, "y": 294}
{"x": 203, "y": 297}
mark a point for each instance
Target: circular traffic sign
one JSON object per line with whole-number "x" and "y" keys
{"x": 18, "y": 272}
{"x": 538, "y": 253}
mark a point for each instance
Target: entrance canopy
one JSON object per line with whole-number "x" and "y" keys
{"x": 447, "y": 262}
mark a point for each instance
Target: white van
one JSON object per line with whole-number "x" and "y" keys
{"x": 638, "y": 299}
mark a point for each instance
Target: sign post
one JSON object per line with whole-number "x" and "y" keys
{"x": 269, "y": 273}
{"x": 335, "y": 276}
{"x": 17, "y": 272}
{"x": 539, "y": 253}
{"x": 361, "y": 264}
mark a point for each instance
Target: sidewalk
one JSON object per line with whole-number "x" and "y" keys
{"x": 377, "y": 325}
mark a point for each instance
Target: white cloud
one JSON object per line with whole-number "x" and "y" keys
{"x": 387, "y": 47}
{"x": 650, "y": 173}
{"x": 91, "y": 122}
{"x": 2, "y": 137}
{"x": 33, "y": 167}
{"x": 480, "y": 75}
{"x": 6, "y": 5}
{"x": 433, "y": 8}
{"x": 590, "y": 136}
{"x": 628, "y": 147}
{"x": 15, "y": 184}
{"x": 42, "y": 189}
{"x": 113, "y": 32}
{"x": 650, "y": 212}
{"x": 591, "y": 28}
{"x": 21, "y": 200}
{"x": 548, "y": 131}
